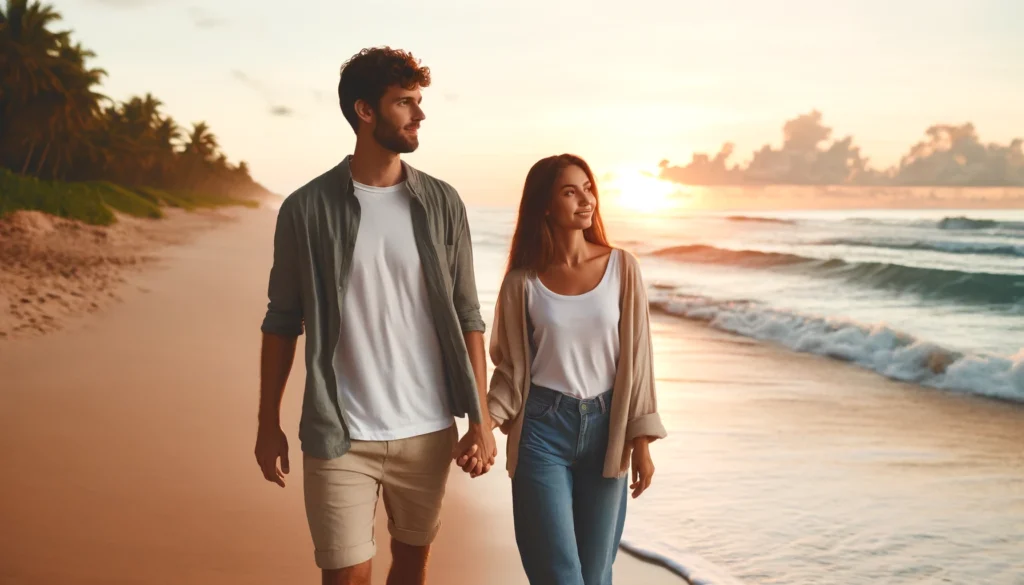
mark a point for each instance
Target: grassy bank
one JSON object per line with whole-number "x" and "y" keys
{"x": 95, "y": 202}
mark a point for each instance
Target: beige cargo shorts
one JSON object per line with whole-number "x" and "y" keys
{"x": 341, "y": 495}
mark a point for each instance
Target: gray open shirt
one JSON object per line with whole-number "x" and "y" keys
{"x": 313, "y": 244}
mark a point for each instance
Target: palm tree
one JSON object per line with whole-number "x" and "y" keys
{"x": 27, "y": 49}
{"x": 55, "y": 122}
{"x": 167, "y": 137}
{"x": 77, "y": 112}
{"x": 51, "y": 103}
{"x": 201, "y": 142}
{"x": 242, "y": 169}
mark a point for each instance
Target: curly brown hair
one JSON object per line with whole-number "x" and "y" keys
{"x": 370, "y": 72}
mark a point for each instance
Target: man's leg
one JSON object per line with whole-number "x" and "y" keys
{"x": 408, "y": 564}
{"x": 354, "y": 575}
{"x": 341, "y": 500}
{"x": 415, "y": 476}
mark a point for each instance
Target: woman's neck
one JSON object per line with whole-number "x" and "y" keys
{"x": 570, "y": 247}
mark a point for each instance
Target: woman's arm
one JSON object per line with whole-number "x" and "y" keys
{"x": 643, "y": 466}
{"x": 503, "y": 402}
{"x": 644, "y": 420}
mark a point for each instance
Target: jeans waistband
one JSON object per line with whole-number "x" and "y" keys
{"x": 601, "y": 403}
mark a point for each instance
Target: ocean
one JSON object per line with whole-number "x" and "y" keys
{"x": 844, "y": 392}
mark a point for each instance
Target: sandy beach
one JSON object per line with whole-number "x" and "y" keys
{"x": 53, "y": 269}
{"x": 128, "y": 440}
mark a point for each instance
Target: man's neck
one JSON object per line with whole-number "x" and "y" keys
{"x": 374, "y": 165}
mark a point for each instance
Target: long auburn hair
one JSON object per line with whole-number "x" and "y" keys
{"x": 533, "y": 243}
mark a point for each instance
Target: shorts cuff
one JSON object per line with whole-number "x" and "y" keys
{"x": 339, "y": 558}
{"x": 412, "y": 537}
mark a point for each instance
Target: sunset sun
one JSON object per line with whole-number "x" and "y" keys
{"x": 642, "y": 192}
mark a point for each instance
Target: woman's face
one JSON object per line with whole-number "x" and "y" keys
{"x": 573, "y": 204}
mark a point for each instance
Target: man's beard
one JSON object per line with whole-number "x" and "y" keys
{"x": 389, "y": 136}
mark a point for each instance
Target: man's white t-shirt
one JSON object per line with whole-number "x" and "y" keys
{"x": 390, "y": 373}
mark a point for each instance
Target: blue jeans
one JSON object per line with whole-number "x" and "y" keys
{"x": 568, "y": 517}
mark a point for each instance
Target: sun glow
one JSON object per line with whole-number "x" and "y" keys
{"x": 642, "y": 192}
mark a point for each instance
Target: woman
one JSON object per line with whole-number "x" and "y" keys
{"x": 573, "y": 385}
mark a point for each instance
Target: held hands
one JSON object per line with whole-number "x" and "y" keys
{"x": 643, "y": 466}
{"x": 271, "y": 443}
{"x": 476, "y": 451}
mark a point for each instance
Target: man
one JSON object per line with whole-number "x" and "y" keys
{"x": 373, "y": 260}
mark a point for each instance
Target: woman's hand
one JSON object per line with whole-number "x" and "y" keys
{"x": 468, "y": 452}
{"x": 643, "y": 466}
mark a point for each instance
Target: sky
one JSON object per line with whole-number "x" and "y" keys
{"x": 625, "y": 85}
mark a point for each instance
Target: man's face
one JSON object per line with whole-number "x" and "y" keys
{"x": 398, "y": 119}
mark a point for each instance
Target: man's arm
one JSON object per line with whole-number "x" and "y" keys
{"x": 481, "y": 434}
{"x": 276, "y": 359}
{"x": 281, "y": 327}
{"x": 478, "y": 443}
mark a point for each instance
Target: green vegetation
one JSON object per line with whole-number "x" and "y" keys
{"x": 71, "y": 200}
{"x": 94, "y": 202}
{"x": 190, "y": 200}
{"x": 125, "y": 201}
{"x": 68, "y": 150}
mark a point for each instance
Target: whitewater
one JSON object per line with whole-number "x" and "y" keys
{"x": 844, "y": 393}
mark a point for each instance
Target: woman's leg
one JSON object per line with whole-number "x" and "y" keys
{"x": 599, "y": 504}
{"x": 600, "y": 513}
{"x": 542, "y": 491}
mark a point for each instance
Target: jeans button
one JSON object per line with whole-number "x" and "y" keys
{"x": 583, "y": 407}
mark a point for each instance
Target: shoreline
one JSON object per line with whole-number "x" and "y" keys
{"x": 763, "y": 434}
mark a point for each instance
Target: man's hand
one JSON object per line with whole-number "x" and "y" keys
{"x": 271, "y": 443}
{"x": 643, "y": 466}
{"x": 476, "y": 451}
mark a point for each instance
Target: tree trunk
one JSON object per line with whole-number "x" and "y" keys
{"x": 42, "y": 159}
{"x": 28, "y": 158}
{"x": 57, "y": 163}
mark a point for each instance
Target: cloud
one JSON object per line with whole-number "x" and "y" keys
{"x": 953, "y": 155}
{"x": 451, "y": 97}
{"x": 246, "y": 80}
{"x": 949, "y": 156}
{"x": 203, "y": 19}
{"x": 275, "y": 109}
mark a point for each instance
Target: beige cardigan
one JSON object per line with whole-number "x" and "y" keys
{"x": 634, "y": 405}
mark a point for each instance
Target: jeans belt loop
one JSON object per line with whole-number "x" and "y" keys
{"x": 558, "y": 400}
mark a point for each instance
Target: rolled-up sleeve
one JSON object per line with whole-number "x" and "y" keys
{"x": 644, "y": 420}
{"x": 464, "y": 293}
{"x": 503, "y": 403}
{"x": 284, "y": 309}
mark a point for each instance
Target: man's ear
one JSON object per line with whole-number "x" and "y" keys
{"x": 364, "y": 111}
